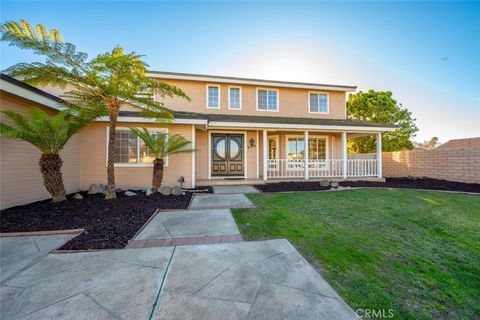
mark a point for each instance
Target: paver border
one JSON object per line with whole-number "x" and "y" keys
{"x": 41, "y": 233}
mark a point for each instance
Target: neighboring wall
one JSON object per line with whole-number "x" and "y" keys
{"x": 20, "y": 178}
{"x": 461, "y": 165}
{"x": 292, "y": 102}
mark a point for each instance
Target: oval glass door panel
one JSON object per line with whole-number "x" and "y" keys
{"x": 234, "y": 149}
{"x": 220, "y": 149}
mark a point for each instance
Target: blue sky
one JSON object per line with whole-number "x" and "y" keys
{"x": 426, "y": 53}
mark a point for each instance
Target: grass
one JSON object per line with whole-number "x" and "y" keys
{"x": 415, "y": 252}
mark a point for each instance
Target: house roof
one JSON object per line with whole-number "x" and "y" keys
{"x": 220, "y": 118}
{"x": 28, "y": 88}
{"x": 250, "y": 81}
{"x": 461, "y": 143}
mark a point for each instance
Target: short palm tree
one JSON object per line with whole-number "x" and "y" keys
{"x": 161, "y": 145}
{"x": 104, "y": 83}
{"x": 49, "y": 134}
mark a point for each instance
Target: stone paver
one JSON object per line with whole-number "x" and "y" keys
{"x": 189, "y": 223}
{"x": 212, "y": 201}
{"x": 18, "y": 253}
{"x": 234, "y": 189}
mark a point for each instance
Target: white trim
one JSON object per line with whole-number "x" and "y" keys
{"x": 319, "y": 93}
{"x": 298, "y": 126}
{"x": 245, "y": 162}
{"x": 152, "y": 120}
{"x": 194, "y": 142}
{"x": 240, "y": 93}
{"x": 132, "y": 165}
{"x": 306, "y": 144}
{"x": 265, "y": 155}
{"x": 268, "y": 89}
{"x": 254, "y": 82}
{"x": 208, "y": 85}
{"x": 379, "y": 155}
{"x": 257, "y": 157}
{"x": 344, "y": 154}
{"x": 30, "y": 95}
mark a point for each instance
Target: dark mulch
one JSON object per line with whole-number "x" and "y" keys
{"x": 411, "y": 183}
{"x": 108, "y": 223}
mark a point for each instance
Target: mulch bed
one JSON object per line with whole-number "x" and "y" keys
{"x": 108, "y": 224}
{"x": 410, "y": 183}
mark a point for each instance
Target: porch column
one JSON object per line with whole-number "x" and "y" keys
{"x": 344, "y": 154}
{"x": 379, "y": 154}
{"x": 265, "y": 155}
{"x": 194, "y": 146}
{"x": 305, "y": 153}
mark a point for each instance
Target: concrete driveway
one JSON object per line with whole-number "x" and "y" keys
{"x": 242, "y": 280}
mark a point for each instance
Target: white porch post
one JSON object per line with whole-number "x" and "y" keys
{"x": 265, "y": 155}
{"x": 344, "y": 154}
{"x": 193, "y": 156}
{"x": 379, "y": 154}
{"x": 305, "y": 153}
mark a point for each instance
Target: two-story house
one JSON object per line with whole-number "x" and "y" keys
{"x": 244, "y": 131}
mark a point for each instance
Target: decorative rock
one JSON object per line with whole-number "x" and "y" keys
{"x": 130, "y": 193}
{"x": 77, "y": 196}
{"x": 103, "y": 187}
{"x": 166, "y": 191}
{"x": 324, "y": 183}
{"x": 148, "y": 191}
{"x": 95, "y": 188}
{"x": 176, "y": 191}
{"x": 334, "y": 184}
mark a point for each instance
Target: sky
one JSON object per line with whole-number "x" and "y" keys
{"x": 426, "y": 53}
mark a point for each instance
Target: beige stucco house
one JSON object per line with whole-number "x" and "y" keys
{"x": 245, "y": 131}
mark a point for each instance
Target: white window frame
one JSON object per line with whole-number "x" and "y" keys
{"x": 278, "y": 99}
{"x": 318, "y": 93}
{"x": 138, "y": 164}
{"x": 240, "y": 98}
{"x": 294, "y": 162}
{"x": 219, "y": 95}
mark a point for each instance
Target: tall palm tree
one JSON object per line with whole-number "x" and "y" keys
{"x": 104, "y": 83}
{"x": 161, "y": 145}
{"x": 49, "y": 134}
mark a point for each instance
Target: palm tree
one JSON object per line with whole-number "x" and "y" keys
{"x": 104, "y": 83}
{"x": 161, "y": 145}
{"x": 49, "y": 134}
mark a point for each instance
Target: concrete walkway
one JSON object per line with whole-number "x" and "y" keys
{"x": 218, "y": 201}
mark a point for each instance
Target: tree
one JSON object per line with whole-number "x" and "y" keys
{"x": 161, "y": 145}
{"x": 380, "y": 107}
{"x": 49, "y": 134}
{"x": 103, "y": 84}
{"x": 429, "y": 145}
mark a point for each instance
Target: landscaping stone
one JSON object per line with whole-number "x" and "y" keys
{"x": 334, "y": 184}
{"x": 166, "y": 191}
{"x": 324, "y": 183}
{"x": 148, "y": 191}
{"x": 130, "y": 193}
{"x": 176, "y": 191}
{"x": 78, "y": 196}
{"x": 95, "y": 188}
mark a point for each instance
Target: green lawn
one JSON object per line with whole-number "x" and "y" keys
{"x": 415, "y": 252}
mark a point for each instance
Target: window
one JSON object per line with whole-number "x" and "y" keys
{"x": 234, "y": 98}
{"x": 213, "y": 97}
{"x": 295, "y": 148}
{"x": 317, "y": 148}
{"x": 318, "y": 103}
{"x": 130, "y": 149}
{"x": 267, "y": 100}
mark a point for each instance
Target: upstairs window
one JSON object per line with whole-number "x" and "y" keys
{"x": 213, "y": 97}
{"x": 318, "y": 103}
{"x": 235, "y": 98}
{"x": 267, "y": 100}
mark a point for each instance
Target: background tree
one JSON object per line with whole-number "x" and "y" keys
{"x": 161, "y": 145}
{"x": 49, "y": 134}
{"x": 102, "y": 84}
{"x": 380, "y": 107}
{"x": 428, "y": 144}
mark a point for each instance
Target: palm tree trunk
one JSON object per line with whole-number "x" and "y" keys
{"x": 51, "y": 168}
{"x": 158, "y": 164}
{"x": 111, "y": 154}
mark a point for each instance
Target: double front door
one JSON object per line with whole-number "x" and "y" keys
{"x": 227, "y": 154}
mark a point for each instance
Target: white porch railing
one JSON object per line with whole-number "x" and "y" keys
{"x": 285, "y": 168}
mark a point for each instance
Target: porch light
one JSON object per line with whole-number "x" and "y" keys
{"x": 252, "y": 143}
